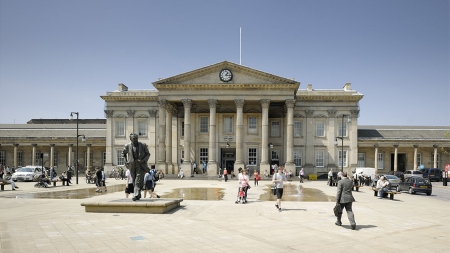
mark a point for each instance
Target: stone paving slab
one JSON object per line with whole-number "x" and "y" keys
{"x": 410, "y": 223}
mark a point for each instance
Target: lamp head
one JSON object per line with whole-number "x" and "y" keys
{"x": 228, "y": 145}
{"x": 83, "y": 138}
{"x": 71, "y": 116}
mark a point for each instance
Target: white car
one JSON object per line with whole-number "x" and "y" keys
{"x": 26, "y": 173}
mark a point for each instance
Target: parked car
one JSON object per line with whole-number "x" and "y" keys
{"x": 416, "y": 184}
{"x": 26, "y": 173}
{"x": 398, "y": 174}
{"x": 412, "y": 173}
{"x": 432, "y": 173}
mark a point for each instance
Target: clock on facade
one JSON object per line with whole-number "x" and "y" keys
{"x": 225, "y": 75}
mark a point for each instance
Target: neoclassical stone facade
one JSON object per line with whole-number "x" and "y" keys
{"x": 255, "y": 119}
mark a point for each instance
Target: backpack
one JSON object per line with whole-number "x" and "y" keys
{"x": 154, "y": 175}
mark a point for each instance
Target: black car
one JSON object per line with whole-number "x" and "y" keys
{"x": 416, "y": 184}
{"x": 432, "y": 173}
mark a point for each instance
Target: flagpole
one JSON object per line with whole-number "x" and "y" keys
{"x": 240, "y": 45}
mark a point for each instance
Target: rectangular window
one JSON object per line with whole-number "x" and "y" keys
{"x": 252, "y": 125}
{"x": 203, "y": 124}
{"x": 2, "y": 157}
{"x": 227, "y": 125}
{"x": 297, "y": 128}
{"x": 320, "y": 129}
{"x": 85, "y": 159}
{"x": 120, "y": 158}
{"x": 342, "y": 129}
{"x": 319, "y": 158}
{"x": 142, "y": 125}
{"x": 298, "y": 158}
{"x": 361, "y": 159}
{"x": 252, "y": 156}
{"x": 120, "y": 128}
{"x": 182, "y": 154}
{"x": 432, "y": 160}
{"x": 55, "y": 158}
{"x": 419, "y": 160}
{"x": 103, "y": 159}
{"x": 203, "y": 155}
{"x": 19, "y": 159}
{"x": 275, "y": 129}
{"x": 38, "y": 158}
{"x": 182, "y": 128}
{"x": 380, "y": 161}
{"x": 344, "y": 159}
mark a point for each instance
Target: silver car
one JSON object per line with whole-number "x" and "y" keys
{"x": 393, "y": 180}
{"x": 26, "y": 173}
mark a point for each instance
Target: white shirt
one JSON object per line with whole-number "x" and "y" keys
{"x": 128, "y": 175}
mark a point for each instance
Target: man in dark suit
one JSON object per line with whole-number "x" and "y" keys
{"x": 345, "y": 198}
{"x": 136, "y": 155}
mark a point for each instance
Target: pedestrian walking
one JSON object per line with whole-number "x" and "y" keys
{"x": 301, "y": 174}
{"x": 345, "y": 199}
{"x": 256, "y": 176}
{"x": 225, "y": 174}
{"x": 279, "y": 179}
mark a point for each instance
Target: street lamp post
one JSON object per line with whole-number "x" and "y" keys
{"x": 342, "y": 139}
{"x": 83, "y": 139}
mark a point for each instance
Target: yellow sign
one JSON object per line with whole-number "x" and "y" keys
{"x": 312, "y": 176}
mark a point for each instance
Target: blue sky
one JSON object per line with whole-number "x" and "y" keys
{"x": 61, "y": 56}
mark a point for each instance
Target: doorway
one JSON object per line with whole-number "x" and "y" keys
{"x": 228, "y": 157}
{"x": 401, "y": 162}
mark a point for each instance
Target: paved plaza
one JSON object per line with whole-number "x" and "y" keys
{"x": 410, "y": 223}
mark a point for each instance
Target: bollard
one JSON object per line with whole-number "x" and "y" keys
{"x": 444, "y": 181}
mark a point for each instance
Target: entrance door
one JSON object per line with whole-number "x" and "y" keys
{"x": 228, "y": 156}
{"x": 401, "y": 162}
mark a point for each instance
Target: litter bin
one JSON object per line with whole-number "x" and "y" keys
{"x": 444, "y": 181}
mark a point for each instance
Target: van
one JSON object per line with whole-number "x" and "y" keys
{"x": 432, "y": 173}
{"x": 366, "y": 172}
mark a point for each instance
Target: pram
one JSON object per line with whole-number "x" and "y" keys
{"x": 41, "y": 182}
{"x": 242, "y": 197}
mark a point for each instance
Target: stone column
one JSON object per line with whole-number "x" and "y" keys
{"x": 435, "y": 155}
{"x": 110, "y": 132}
{"x": 169, "y": 165}
{"x": 161, "y": 164}
{"x": 239, "y": 163}
{"x": 309, "y": 139}
{"x": 69, "y": 157}
{"x": 395, "y": 157}
{"x": 15, "y": 154}
{"x": 376, "y": 157}
{"x": 187, "y": 166}
{"x": 152, "y": 136}
{"x": 290, "y": 103}
{"x": 265, "y": 103}
{"x": 129, "y": 123}
{"x": 415, "y": 156}
{"x": 52, "y": 155}
{"x": 88, "y": 158}
{"x": 33, "y": 155}
{"x": 212, "y": 154}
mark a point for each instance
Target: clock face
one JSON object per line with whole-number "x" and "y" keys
{"x": 226, "y": 75}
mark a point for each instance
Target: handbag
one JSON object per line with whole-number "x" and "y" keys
{"x": 274, "y": 190}
{"x": 337, "y": 210}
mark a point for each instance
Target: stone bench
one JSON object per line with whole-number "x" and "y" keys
{"x": 156, "y": 206}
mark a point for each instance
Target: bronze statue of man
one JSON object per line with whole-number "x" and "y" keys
{"x": 136, "y": 155}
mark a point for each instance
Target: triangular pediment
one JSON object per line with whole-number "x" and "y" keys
{"x": 242, "y": 78}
